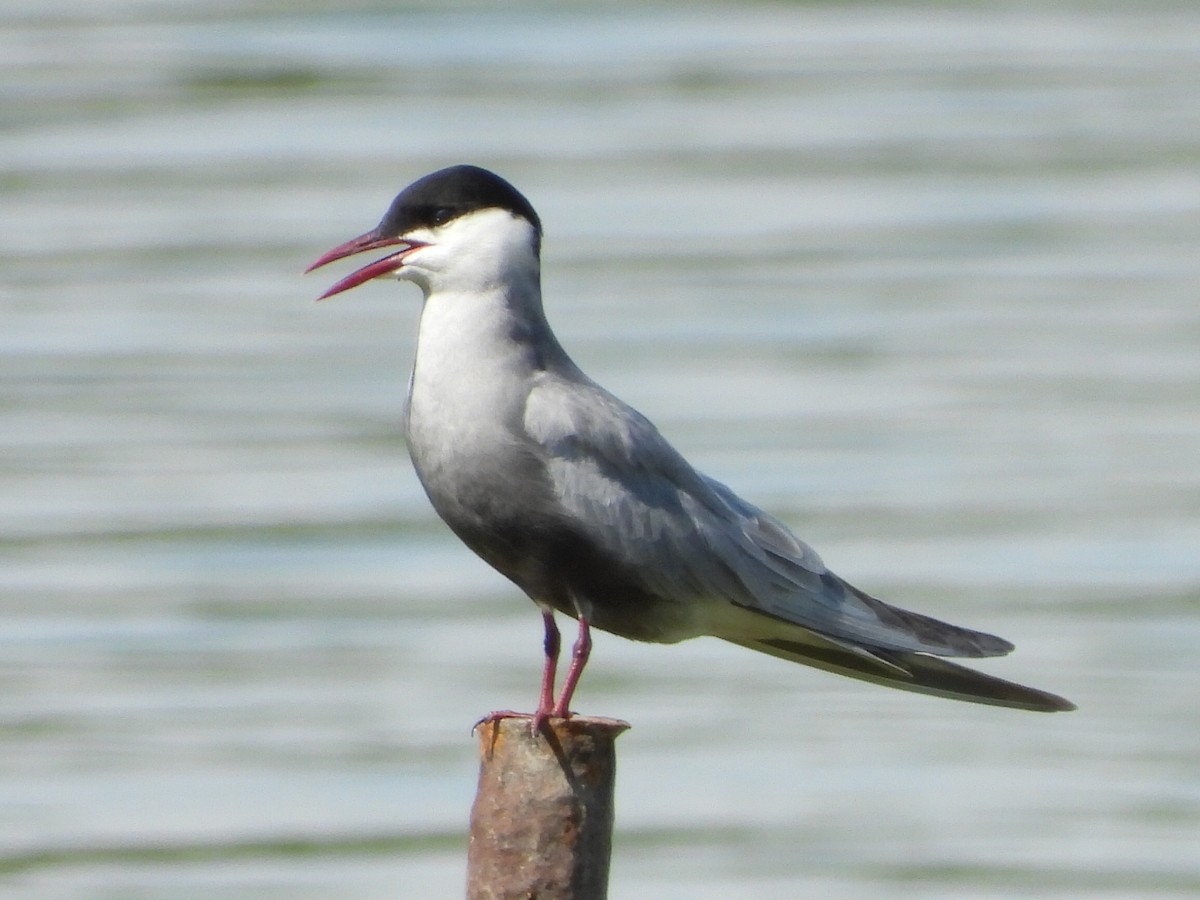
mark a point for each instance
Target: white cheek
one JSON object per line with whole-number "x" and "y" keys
{"x": 475, "y": 252}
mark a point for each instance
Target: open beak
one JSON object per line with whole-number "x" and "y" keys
{"x": 372, "y": 240}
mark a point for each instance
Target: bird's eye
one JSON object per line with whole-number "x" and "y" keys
{"x": 442, "y": 215}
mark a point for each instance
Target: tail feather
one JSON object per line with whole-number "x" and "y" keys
{"x": 904, "y": 670}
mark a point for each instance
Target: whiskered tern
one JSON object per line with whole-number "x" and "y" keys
{"x": 578, "y": 499}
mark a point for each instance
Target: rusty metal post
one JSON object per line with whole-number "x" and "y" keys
{"x": 541, "y": 826}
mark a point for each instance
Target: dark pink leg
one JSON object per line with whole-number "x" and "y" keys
{"x": 579, "y": 658}
{"x": 552, "y": 643}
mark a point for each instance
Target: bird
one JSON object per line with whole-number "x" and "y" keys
{"x": 580, "y": 501}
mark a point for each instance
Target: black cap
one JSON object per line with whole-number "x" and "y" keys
{"x": 446, "y": 194}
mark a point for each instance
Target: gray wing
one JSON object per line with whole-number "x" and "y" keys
{"x": 688, "y": 537}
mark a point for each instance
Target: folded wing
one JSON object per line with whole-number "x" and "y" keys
{"x": 691, "y": 539}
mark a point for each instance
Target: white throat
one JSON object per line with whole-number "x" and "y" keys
{"x": 483, "y": 336}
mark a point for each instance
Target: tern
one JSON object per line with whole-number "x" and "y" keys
{"x": 577, "y": 498}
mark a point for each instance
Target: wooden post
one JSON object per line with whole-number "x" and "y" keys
{"x": 541, "y": 826}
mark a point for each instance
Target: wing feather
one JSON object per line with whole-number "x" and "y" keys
{"x": 687, "y": 537}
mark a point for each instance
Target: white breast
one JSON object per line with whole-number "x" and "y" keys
{"x": 468, "y": 387}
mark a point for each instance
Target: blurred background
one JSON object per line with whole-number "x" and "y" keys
{"x": 921, "y": 279}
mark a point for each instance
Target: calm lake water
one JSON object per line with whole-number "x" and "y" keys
{"x": 922, "y": 280}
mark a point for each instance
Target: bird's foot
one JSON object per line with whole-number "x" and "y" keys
{"x": 560, "y": 711}
{"x": 497, "y": 715}
{"x": 537, "y": 720}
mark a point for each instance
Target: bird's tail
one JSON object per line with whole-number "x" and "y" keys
{"x": 901, "y": 669}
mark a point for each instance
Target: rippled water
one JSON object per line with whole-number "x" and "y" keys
{"x": 921, "y": 280}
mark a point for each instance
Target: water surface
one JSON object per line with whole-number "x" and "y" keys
{"x": 920, "y": 280}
